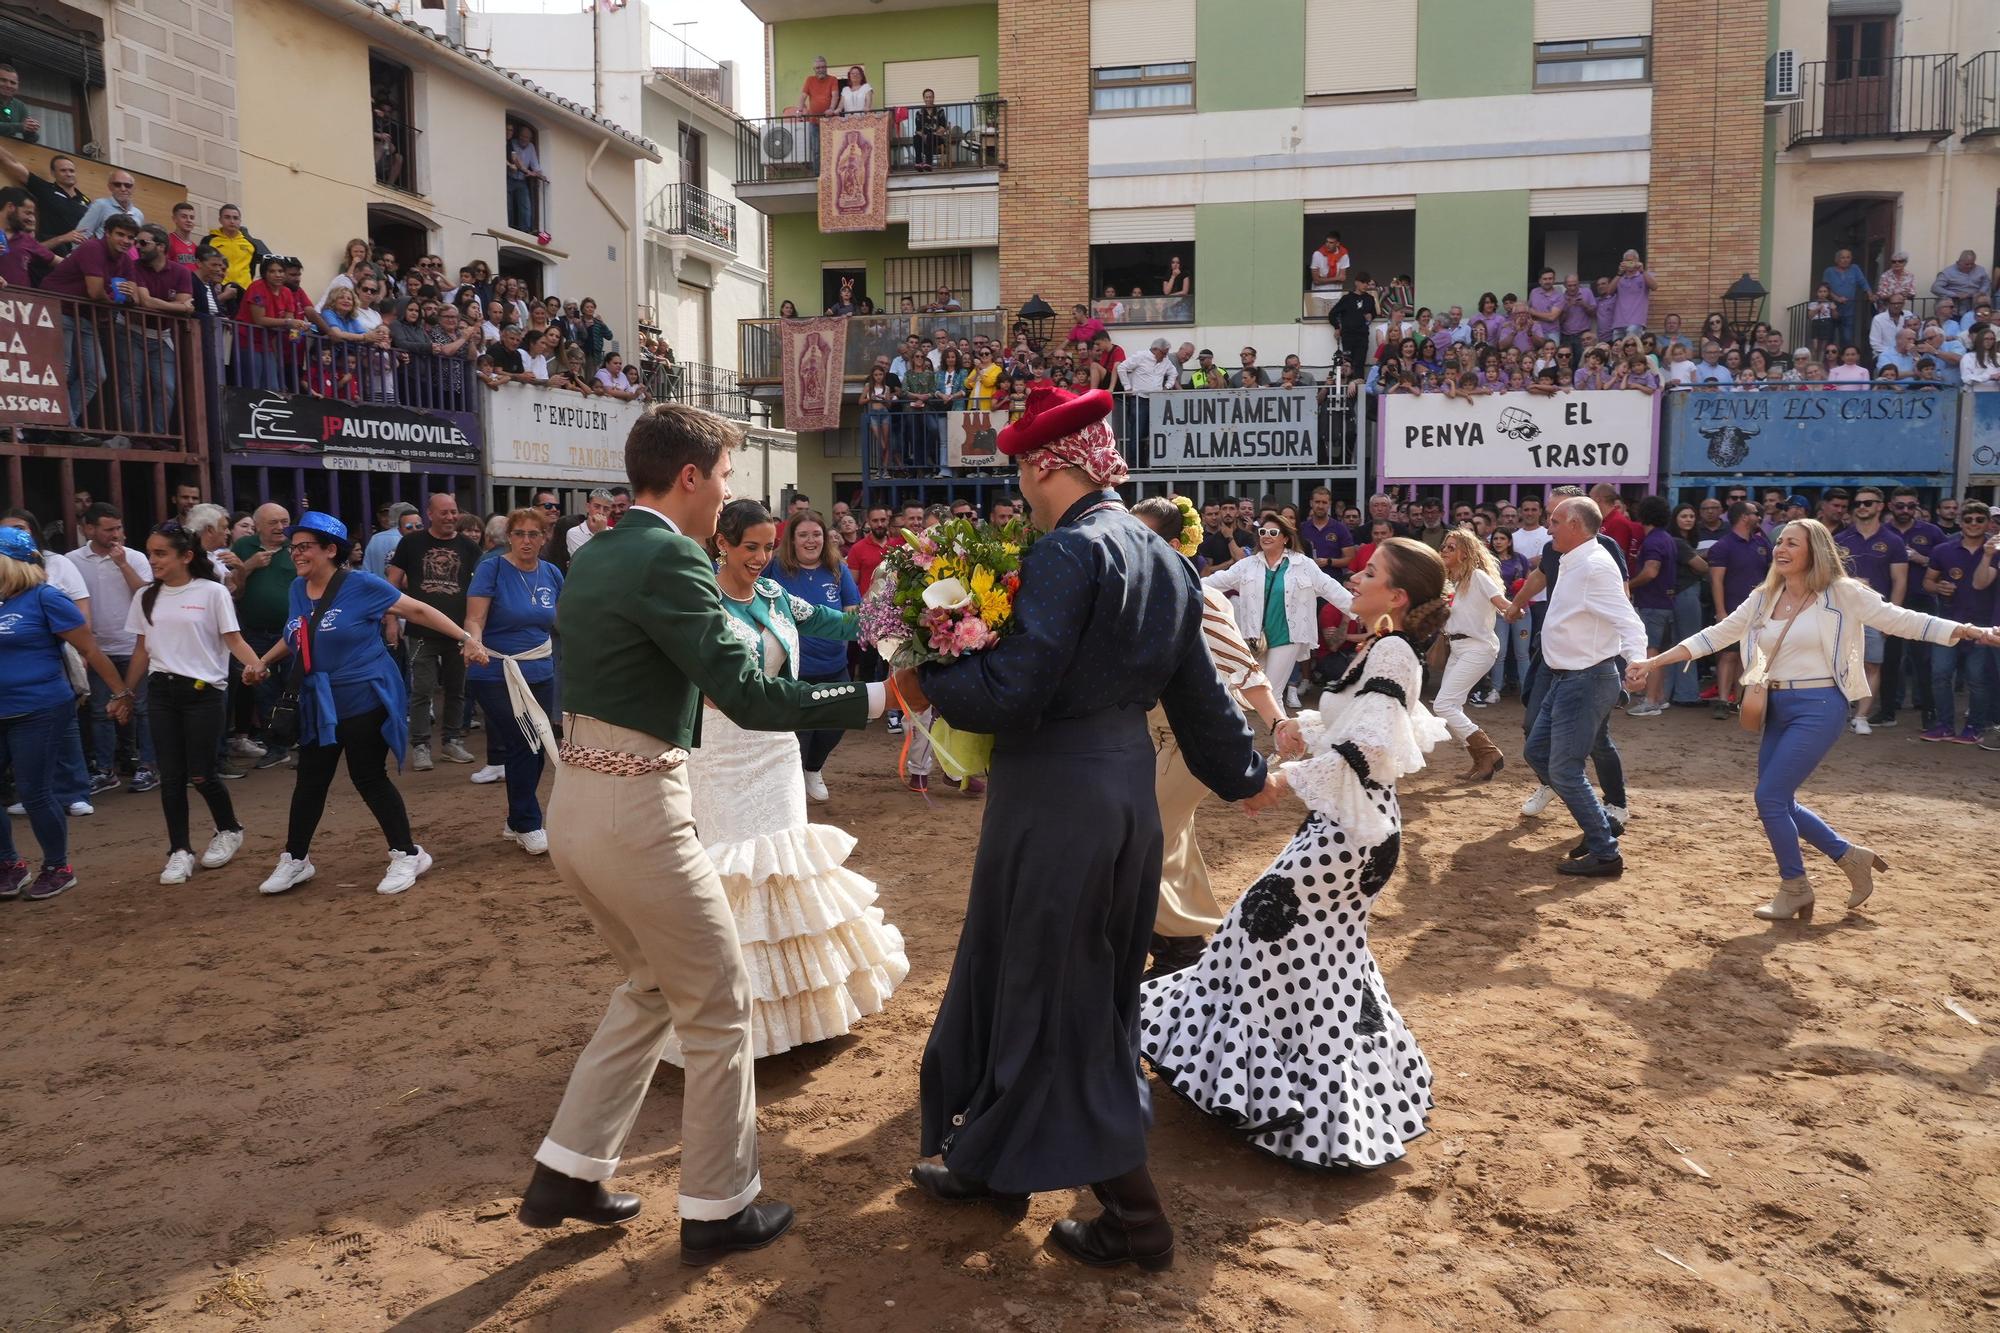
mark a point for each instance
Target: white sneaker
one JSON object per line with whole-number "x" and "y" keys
{"x": 180, "y": 866}
{"x": 404, "y": 867}
{"x": 816, "y": 787}
{"x": 1859, "y": 726}
{"x": 1535, "y": 804}
{"x": 420, "y": 758}
{"x": 244, "y": 748}
{"x": 456, "y": 752}
{"x": 17, "y": 809}
{"x": 534, "y": 842}
{"x": 490, "y": 773}
{"x": 1645, "y": 709}
{"x": 1292, "y": 698}
{"x": 82, "y": 808}
{"x": 289, "y": 874}
{"x": 222, "y": 848}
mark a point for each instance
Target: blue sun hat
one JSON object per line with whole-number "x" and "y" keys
{"x": 320, "y": 525}
{"x": 16, "y": 544}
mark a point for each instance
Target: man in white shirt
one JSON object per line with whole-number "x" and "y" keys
{"x": 1141, "y": 375}
{"x": 1589, "y": 627}
{"x": 1882, "y": 329}
{"x": 598, "y": 519}
{"x": 114, "y": 573}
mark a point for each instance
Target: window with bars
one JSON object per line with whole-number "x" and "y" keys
{"x": 1165, "y": 87}
{"x": 918, "y": 279}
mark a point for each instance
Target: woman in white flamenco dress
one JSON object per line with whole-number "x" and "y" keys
{"x": 819, "y": 954}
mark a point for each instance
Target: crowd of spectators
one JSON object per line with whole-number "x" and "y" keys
{"x": 378, "y": 330}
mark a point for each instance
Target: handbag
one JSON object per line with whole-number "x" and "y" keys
{"x": 283, "y": 724}
{"x": 1756, "y": 696}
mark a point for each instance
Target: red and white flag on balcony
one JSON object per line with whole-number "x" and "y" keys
{"x": 814, "y": 356}
{"x": 854, "y": 172}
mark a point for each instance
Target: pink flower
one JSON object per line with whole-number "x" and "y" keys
{"x": 971, "y": 635}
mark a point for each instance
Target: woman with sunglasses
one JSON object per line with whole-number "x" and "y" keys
{"x": 185, "y": 623}
{"x": 1277, "y": 592}
{"x": 510, "y": 611}
{"x": 352, "y": 697}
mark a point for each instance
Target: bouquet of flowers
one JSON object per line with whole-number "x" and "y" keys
{"x": 937, "y": 596}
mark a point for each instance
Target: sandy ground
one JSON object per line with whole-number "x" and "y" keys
{"x": 1654, "y": 1111}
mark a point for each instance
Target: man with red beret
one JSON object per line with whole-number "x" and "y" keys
{"x": 1031, "y": 1077}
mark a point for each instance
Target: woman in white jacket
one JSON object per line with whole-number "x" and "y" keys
{"x": 1278, "y": 589}
{"x": 1802, "y": 632}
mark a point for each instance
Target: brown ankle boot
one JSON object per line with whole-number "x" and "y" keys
{"x": 1486, "y": 758}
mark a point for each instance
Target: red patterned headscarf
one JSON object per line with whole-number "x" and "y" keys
{"x": 1058, "y": 429}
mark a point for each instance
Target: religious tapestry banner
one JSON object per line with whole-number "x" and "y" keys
{"x": 813, "y": 353}
{"x": 854, "y": 172}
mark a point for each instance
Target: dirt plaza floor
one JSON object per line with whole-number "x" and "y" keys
{"x": 315, "y": 1112}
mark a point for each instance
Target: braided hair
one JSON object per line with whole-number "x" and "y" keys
{"x": 1419, "y": 572}
{"x": 185, "y": 542}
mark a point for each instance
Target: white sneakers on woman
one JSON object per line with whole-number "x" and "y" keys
{"x": 180, "y": 867}
{"x": 490, "y": 773}
{"x": 404, "y": 867}
{"x": 222, "y": 848}
{"x": 289, "y": 874}
{"x": 816, "y": 787}
{"x": 1538, "y": 802}
{"x": 534, "y": 842}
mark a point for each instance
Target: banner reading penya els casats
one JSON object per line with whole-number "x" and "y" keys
{"x": 1612, "y": 435}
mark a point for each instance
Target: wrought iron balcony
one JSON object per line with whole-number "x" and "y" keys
{"x": 689, "y": 210}
{"x": 691, "y": 382}
{"x": 1982, "y": 95}
{"x": 1876, "y": 97}
{"x": 960, "y": 137}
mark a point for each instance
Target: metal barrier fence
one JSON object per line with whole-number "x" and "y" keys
{"x": 868, "y": 336}
{"x": 133, "y": 378}
{"x": 373, "y": 371}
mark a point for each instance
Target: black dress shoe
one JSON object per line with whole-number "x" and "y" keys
{"x": 1578, "y": 852}
{"x": 553, "y": 1198}
{"x": 1594, "y": 867}
{"x": 1132, "y": 1229}
{"x": 947, "y": 1186}
{"x": 752, "y": 1229}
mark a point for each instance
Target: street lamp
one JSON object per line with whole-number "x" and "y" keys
{"x": 1743, "y": 306}
{"x": 1040, "y": 317}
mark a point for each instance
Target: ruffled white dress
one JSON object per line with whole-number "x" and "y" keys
{"x": 819, "y": 952}
{"x": 1284, "y": 1029}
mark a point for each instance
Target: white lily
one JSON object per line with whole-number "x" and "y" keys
{"x": 947, "y": 595}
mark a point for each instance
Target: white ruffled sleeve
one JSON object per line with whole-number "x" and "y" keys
{"x": 1363, "y": 738}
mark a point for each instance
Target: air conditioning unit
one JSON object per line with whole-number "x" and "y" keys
{"x": 1781, "y": 78}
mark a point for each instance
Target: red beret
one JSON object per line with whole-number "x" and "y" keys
{"x": 1051, "y": 413}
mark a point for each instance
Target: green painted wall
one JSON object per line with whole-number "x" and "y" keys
{"x": 869, "y": 39}
{"x": 1470, "y": 243}
{"x": 1475, "y": 48}
{"x": 1249, "y": 266}
{"x": 798, "y": 251}
{"x": 1249, "y": 56}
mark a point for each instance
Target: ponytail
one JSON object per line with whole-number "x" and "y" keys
{"x": 184, "y": 542}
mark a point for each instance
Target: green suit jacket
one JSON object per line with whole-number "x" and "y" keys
{"x": 644, "y": 638}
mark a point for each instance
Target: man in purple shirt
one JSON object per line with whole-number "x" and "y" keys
{"x": 1651, "y": 587}
{"x": 1913, "y": 663}
{"x": 1546, "y": 304}
{"x": 1876, "y": 555}
{"x": 1607, "y": 310}
{"x": 148, "y": 364}
{"x": 1738, "y": 560}
{"x": 1632, "y": 292}
{"x": 24, "y": 256}
{"x": 1326, "y": 537}
{"x": 1579, "y": 314}
{"x": 1962, "y": 576}
{"x": 98, "y": 269}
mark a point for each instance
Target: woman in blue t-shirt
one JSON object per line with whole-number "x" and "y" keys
{"x": 510, "y": 610}
{"x": 352, "y": 697}
{"x": 37, "y": 704}
{"x": 808, "y": 568}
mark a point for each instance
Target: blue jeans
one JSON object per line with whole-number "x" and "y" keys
{"x": 1976, "y": 660}
{"x": 1683, "y": 679}
{"x": 520, "y": 204}
{"x": 1575, "y": 720}
{"x": 1800, "y": 727}
{"x": 104, "y": 732}
{"x": 32, "y": 742}
{"x": 85, "y": 363}
{"x": 148, "y": 390}
{"x": 1603, "y": 755}
{"x": 1514, "y": 641}
{"x": 507, "y": 747}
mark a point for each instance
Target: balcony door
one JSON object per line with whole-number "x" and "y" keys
{"x": 1859, "y": 71}
{"x": 1865, "y": 224}
{"x": 693, "y": 157}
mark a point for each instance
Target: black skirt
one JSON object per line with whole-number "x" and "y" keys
{"x": 1031, "y": 1077}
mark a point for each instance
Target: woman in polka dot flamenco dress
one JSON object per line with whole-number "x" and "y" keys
{"x": 1284, "y": 1029}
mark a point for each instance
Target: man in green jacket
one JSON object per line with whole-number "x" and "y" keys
{"x": 644, "y": 646}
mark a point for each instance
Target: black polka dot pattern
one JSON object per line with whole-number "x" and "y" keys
{"x": 1288, "y": 1036}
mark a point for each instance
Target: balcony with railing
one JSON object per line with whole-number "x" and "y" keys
{"x": 777, "y": 158}
{"x": 693, "y": 221}
{"x": 868, "y": 336}
{"x": 709, "y": 387}
{"x": 1875, "y": 97}
{"x": 1982, "y": 95}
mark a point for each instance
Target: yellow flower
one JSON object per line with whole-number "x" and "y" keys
{"x": 994, "y": 607}
{"x": 982, "y": 581}
{"x": 1011, "y": 548}
{"x": 943, "y": 568}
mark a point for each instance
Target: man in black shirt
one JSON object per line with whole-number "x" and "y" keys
{"x": 1351, "y": 316}
{"x": 1222, "y": 544}
{"x": 59, "y": 204}
{"x": 506, "y": 353}
{"x": 435, "y": 566}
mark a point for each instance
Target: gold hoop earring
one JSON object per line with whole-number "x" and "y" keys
{"x": 1384, "y": 625}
